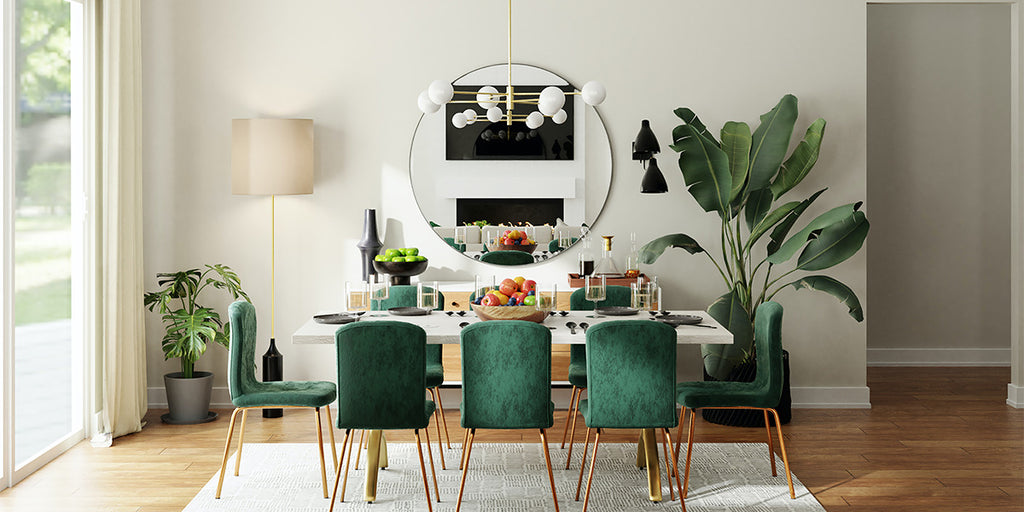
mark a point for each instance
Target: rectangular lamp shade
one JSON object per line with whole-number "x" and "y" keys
{"x": 271, "y": 156}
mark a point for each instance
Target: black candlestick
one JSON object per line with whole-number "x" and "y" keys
{"x": 370, "y": 244}
{"x": 273, "y": 370}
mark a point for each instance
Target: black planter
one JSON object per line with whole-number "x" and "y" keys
{"x": 188, "y": 399}
{"x": 752, "y": 418}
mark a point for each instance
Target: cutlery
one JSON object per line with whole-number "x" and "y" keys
{"x": 584, "y": 325}
{"x": 449, "y": 313}
{"x": 665, "y": 313}
{"x": 552, "y": 313}
{"x": 571, "y": 326}
{"x": 702, "y": 325}
{"x": 461, "y": 313}
{"x": 462, "y": 325}
{"x": 652, "y": 313}
{"x": 551, "y": 327}
{"x": 563, "y": 313}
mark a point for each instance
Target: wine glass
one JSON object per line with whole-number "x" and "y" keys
{"x": 356, "y": 296}
{"x": 595, "y": 290}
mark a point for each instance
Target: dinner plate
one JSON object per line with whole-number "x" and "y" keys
{"x": 335, "y": 318}
{"x": 675, "y": 320}
{"x": 616, "y": 311}
{"x": 409, "y": 311}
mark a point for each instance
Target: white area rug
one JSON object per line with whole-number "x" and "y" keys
{"x": 505, "y": 477}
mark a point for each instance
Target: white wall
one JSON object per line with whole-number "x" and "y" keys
{"x": 939, "y": 183}
{"x": 356, "y": 68}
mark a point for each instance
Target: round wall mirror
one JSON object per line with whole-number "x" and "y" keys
{"x": 547, "y": 184}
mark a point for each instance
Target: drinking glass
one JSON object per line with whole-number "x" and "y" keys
{"x": 482, "y": 285}
{"x": 547, "y": 295}
{"x": 357, "y": 296}
{"x": 594, "y": 289}
{"x": 460, "y": 235}
{"x": 426, "y": 295}
{"x": 379, "y": 291}
{"x": 642, "y": 295}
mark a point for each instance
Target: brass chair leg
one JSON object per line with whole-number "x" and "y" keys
{"x": 568, "y": 415}
{"x": 337, "y": 474}
{"x": 668, "y": 440}
{"x": 334, "y": 450}
{"x": 465, "y": 439}
{"x": 437, "y": 422}
{"x": 679, "y": 438}
{"x": 350, "y": 439}
{"x": 241, "y": 440}
{"x": 575, "y": 414}
{"x": 668, "y": 466}
{"x": 782, "y": 448}
{"x": 423, "y": 469}
{"x": 689, "y": 451}
{"x": 771, "y": 450}
{"x": 430, "y": 453}
{"x": 320, "y": 444}
{"x": 227, "y": 448}
{"x": 465, "y": 469}
{"x": 359, "y": 450}
{"x": 590, "y": 477}
{"x": 583, "y": 464}
{"x": 440, "y": 411}
{"x": 547, "y": 460}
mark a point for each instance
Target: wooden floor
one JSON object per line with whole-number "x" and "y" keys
{"x": 937, "y": 439}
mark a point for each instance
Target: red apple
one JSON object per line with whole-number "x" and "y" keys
{"x": 519, "y": 297}
{"x": 491, "y": 300}
{"x": 508, "y": 287}
{"x": 529, "y": 285}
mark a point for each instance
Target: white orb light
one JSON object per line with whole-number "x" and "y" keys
{"x": 494, "y": 114}
{"x": 470, "y": 115}
{"x": 440, "y": 92}
{"x": 426, "y": 106}
{"x": 534, "y": 120}
{"x": 459, "y": 120}
{"x": 484, "y": 98}
{"x": 560, "y": 117}
{"x": 551, "y": 100}
{"x": 593, "y": 93}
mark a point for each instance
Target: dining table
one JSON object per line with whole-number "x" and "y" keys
{"x": 443, "y": 327}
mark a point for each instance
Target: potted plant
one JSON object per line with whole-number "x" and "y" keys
{"x": 189, "y": 327}
{"x": 741, "y": 178}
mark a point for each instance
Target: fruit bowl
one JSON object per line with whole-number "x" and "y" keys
{"x": 527, "y": 313}
{"x": 400, "y": 271}
{"x": 512, "y": 247}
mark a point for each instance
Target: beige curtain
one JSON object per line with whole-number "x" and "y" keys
{"x": 123, "y": 336}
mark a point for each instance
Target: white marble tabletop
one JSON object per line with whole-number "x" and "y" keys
{"x": 442, "y": 328}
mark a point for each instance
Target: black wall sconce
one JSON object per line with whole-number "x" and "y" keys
{"x": 644, "y": 148}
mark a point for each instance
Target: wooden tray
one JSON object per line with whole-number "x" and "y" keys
{"x": 575, "y": 281}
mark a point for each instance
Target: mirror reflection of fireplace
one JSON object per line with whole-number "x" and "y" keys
{"x": 511, "y": 212}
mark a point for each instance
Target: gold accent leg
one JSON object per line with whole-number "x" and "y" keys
{"x": 423, "y": 469}
{"x": 641, "y": 454}
{"x": 689, "y": 452}
{"x": 334, "y": 450}
{"x": 679, "y": 439}
{"x": 337, "y": 474}
{"x": 426, "y": 432}
{"x": 668, "y": 468}
{"x": 782, "y": 448}
{"x": 241, "y": 440}
{"x": 590, "y": 477}
{"x": 440, "y": 411}
{"x": 373, "y": 448}
{"x": 465, "y": 469}
{"x": 382, "y": 462}
{"x": 682, "y": 502}
{"x": 350, "y": 439}
{"x": 465, "y": 439}
{"x": 575, "y": 415}
{"x": 227, "y": 448}
{"x": 320, "y": 444}
{"x": 771, "y": 450}
{"x": 359, "y": 451}
{"x": 437, "y": 423}
{"x": 653, "y": 471}
{"x": 568, "y": 414}
{"x": 583, "y": 464}
{"x": 547, "y": 460}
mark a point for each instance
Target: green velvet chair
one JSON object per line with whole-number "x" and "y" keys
{"x": 451, "y": 241}
{"x": 507, "y": 258}
{"x": 506, "y": 384}
{"x": 762, "y": 394}
{"x": 249, "y": 393}
{"x": 615, "y": 296}
{"x": 631, "y": 366}
{"x": 381, "y": 377}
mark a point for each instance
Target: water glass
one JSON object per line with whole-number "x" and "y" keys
{"x": 547, "y": 295}
{"x": 460, "y": 235}
{"x": 642, "y": 295}
{"x": 379, "y": 291}
{"x": 594, "y": 289}
{"x": 357, "y": 296}
{"x": 426, "y": 295}
{"x": 482, "y": 285}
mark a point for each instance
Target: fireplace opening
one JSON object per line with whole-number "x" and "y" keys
{"x": 509, "y": 211}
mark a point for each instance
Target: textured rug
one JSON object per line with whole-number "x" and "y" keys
{"x": 505, "y": 477}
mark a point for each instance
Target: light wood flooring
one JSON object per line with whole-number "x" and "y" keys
{"x": 937, "y": 439}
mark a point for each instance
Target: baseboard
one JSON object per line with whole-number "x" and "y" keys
{"x": 938, "y": 357}
{"x": 220, "y": 398}
{"x": 1015, "y": 396}
{"x": 831, "y": 398}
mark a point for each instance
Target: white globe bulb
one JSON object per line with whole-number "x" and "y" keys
{"x": 426, "y": 106}
{"x": 459, "y": 120}
{"x": 494, "y": 114}
{"x": 560, "y": 117}
{"x": 593, "y": 93}
{"x": 484, "y": 98}
{"x": 440, "y": 92}
{"x": 470, "y": 115}
{"x": 534, "y": 120}
{"x": 551, "y": 99}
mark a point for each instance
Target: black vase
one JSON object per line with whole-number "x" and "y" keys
{"x": 370, "y": 244}
{"x": 746, "y": 372}
{"x": 273, "y": 370}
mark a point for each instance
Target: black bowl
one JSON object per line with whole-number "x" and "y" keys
{"x": 400, "y": 271}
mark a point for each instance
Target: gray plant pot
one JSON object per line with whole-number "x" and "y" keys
{"x": 188, "y": 399}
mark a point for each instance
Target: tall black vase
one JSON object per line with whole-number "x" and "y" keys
{"x": 746, "y": 372}
{"x": 273, "y": 370}
{"x": 370, "y": 244}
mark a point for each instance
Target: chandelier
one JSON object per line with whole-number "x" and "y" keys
{"x": 548, "y": 102}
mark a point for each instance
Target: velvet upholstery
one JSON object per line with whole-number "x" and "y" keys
{"x": 766, "y": 389}
{"x": 554, "y": 247}
{"x": 616, "y": 296}
{"x": 506, "y": 258}
{"x": 458, "y": 247}
{"x": 632, "y": 369}
{"x": 404, "y": 296}
{"x": 381, "y": 374}
{"x": 506, "y": 375}
{"x": 245, "y": 390}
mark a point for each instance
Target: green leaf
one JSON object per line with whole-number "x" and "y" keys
{"x": 653, "y": 250}
{"x": 779, "y": 233}
{"x": 795, "y": 242}
{"x": 835, "y": 244}
{"x": 771, "y": 141}
{"x": 706, "y": 171}
{"x": 770, "y": 220}
{"x": 758, "y": 204}
{"x": 728, "y": 310}
{"x": 736, "y": 144}
{"x": 834, "y": 288}
{"x": 801, "y": 161}
{"x": 689, "y": 118}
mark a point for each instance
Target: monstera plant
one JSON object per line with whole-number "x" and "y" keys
{"x": 742, "y": 177}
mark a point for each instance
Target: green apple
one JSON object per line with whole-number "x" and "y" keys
{"x": 380, "y": 257}
{"x": 420, "y": 258}
{"x": 411, "y": 251}
{"x": 391, "y": 253}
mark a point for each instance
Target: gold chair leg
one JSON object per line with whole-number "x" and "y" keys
{"x": 320, "y": 444}
{"x": 426, "y": 432}
{"x": 440, "y": 410}
{"x": 641, "y": 452}
{"x": 785, "y": 458}
{"x": 423, "y": 469}
{"x": 668, "y": 440}
{"x": 465, "y": 469}
{"x": 350, "y": 439}
{"x": 337, "y": 474}
{"x": 359, "y": 451}
{"x": 241, "y": 441}
{"x": 771, "y": 450}
{"x": 689, "y": 451}
{"x": 334, "y": 450}
{"x": 668, "y": 467}
{"x": 583, "y": 464}
{"x": 547, "y": 460}
{"x": 465, "y": 439}
{"x": 374, "y": 445}
{"x": 568, "y": 415}
{"x": 679, "y": 439}
{"x": 434, "y": 392}
{"x": 575, "y": 415}
{"x": 227, "y": 448}
{"x": 653, "y": 465}
{"x": 590, "y": 477}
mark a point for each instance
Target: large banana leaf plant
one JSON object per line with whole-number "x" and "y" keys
{"x": 742, "y": 177}
{"x": 190, "y": 326}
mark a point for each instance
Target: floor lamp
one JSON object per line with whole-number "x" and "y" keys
{"x": 272, "y": 157}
